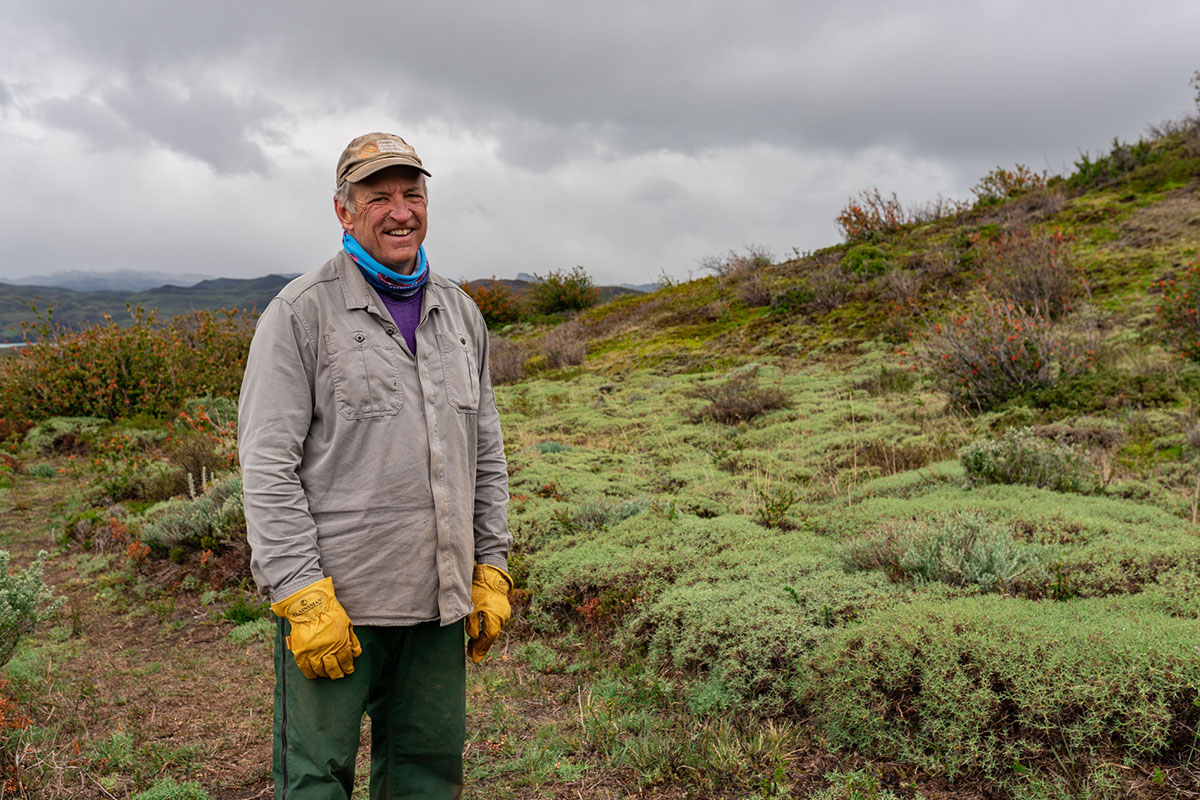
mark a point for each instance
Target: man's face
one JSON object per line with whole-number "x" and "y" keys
{"x": 389, "y": 216}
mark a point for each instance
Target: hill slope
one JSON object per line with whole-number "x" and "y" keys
{"x": 815, "y": 487}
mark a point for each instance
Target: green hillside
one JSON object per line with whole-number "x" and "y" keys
{"x": 772, "y": 485}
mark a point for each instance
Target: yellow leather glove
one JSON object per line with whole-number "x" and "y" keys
{"x": 489, "y": 598}
{"x": 322, "y": 640}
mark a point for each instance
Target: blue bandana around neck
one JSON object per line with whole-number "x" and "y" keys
{"x": 383, "y": 279}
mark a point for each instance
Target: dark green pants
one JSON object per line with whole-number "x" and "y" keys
{"x": 411, "y": 681}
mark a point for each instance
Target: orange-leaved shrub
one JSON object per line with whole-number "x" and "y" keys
{"x": 110, "y": 370}
{"x": 998, "y": 350}
{"x": 870, "y": 216}
{"x": 498, "y": 303}
{"x": 1179, "y": 311}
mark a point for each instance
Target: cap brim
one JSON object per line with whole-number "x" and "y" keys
{"x": 370, "y": 168}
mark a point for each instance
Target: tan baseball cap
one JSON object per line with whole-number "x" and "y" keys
{"x": 372, "y": 152}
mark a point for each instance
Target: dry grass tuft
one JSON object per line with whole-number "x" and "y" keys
{"x": 738, "y": 399}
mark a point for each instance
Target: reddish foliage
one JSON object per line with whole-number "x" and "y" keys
{"x": 1000, "y": 184}
{"x": 110, "y": 370}
{"x": 870, "y": 216}
{"x": 999, "y": 350}
{"x": 496, "y": 301}
{"x": 1179, "y": 311}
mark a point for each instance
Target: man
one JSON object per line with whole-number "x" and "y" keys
{"x": 376, "y": 493}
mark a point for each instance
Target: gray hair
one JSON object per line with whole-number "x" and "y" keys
{"x": 344, "y": 193}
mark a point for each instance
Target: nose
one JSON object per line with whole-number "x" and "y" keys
{"x": 399, "y": 209}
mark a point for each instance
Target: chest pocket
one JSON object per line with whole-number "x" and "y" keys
{"x": 460, "y": 372}
{"x": 366, "y": 374}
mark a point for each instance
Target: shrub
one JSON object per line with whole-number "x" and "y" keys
{"x": 959, "y": 549}
{"x": 203, "y": 436}
{"x": 1022, "y": 457}
{"x": 902, "y": 286}
{"x": 65, "y": 435}
{"x": 1001, "y": 184}
{"x": 754, "y": 292}
{"x": 496, "y": 301}
{"x": 1122, "y": 158}
{"x": 977, "y": 685}
{"x": 937, "y": 209}
{"x": 793, "y": 299}
{"x": 562, "y": 291}
{"x": 866, "y": 259}
{"x": 738, "y": 399}
{"x": 753, "y": 257}
{"x": 25, "y": 602}
{"x": 506, "y": 360}
{"x": 870, "y": 216}
{"x": 1179, "y": 311}
{"x": 210, "y": 521}
{"x": 1030, "y": 270}
{"x": 109, "y": 370}
{"x": 998, "y": 350}
{"x": 563, "y": 346}
{"x": 598, "y": 515}
{"x": 168, "y": 789}
{"x": 830, "y": 287}
{"x": 774, "y": 505}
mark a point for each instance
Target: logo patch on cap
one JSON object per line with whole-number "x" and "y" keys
{"x": 367, "y": 150}
{"x": 394, "y": 146}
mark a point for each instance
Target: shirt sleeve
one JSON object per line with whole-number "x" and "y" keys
{"x": 274, "y": 413}
{"x": 492, "y": 537}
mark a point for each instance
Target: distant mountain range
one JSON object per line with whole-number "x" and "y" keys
{"x": 121, "y": 280}
{"x": 77, "y": 309}
{"x": 74, "y": 307}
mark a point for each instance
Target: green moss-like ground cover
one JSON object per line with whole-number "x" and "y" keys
{"x": 729, "y": 571}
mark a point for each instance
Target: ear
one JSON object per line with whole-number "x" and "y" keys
{"x": 343, "y": 215}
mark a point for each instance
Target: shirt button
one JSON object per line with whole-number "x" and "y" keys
{"x": 358, "y": 337}
{"x": 391, "y": 331}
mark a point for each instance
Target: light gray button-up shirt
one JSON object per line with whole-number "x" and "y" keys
{"x": 364, "y": 463}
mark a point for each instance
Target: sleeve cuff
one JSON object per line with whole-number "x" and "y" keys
{"x": 494, "y": 560}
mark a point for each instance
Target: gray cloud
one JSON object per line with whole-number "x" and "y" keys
{"x": 685, "y": 75}
{"x": 625, "y": 136}
{"x": 199, "y": 123}
{"x": 202, "y": 123}
{"x": 103, "y": 128}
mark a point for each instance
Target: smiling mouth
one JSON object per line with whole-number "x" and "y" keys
{"x": 399, "y": 233}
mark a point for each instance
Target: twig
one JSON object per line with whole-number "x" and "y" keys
{"x": 579, "y": 699}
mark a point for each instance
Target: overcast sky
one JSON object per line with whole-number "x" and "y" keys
{"x": 634, "y": 138}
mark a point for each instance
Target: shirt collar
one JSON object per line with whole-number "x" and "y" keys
{"x": 358, "y": 294}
